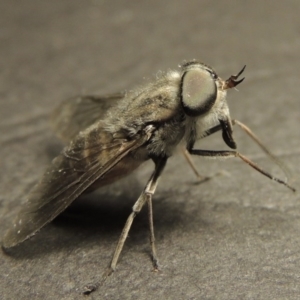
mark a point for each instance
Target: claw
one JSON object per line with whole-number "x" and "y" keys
{"x": 232, "y": 82}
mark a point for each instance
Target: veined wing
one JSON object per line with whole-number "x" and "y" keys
{"x": 78, "y": 113}
{"x": 85, "y": 161}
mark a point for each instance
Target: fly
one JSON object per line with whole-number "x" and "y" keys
{"x": 111, "y": 136}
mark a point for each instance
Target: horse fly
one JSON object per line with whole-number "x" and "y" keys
{"x": 111, "y": 136}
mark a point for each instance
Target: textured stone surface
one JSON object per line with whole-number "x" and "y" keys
{"x": 233, "y": 237}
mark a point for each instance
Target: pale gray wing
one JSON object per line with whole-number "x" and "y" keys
{"x": 86, "y": 160}
{"x": 78, "y": 113}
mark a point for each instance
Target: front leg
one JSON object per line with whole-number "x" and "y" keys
{"x": 231, "y": 153}
{"x": 190, "y": 145}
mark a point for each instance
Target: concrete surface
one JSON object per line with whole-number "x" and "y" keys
{"x": 233, "y": 237}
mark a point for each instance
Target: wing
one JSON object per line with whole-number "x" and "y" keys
{"x": 92, "y": 156}
{"x": 78, "y": 113}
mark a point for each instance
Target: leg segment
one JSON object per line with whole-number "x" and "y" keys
{"x": 188, "y": 158}
{"x": 145, "y": 196}
{"x": 275, "y": 159}
{"x": 152, "y": 237}
{"x": 211, "y": 153}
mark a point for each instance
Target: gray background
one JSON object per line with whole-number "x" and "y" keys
{"x": 233, "y": 237}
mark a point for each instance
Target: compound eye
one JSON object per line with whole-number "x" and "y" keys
{"x": 199, "y": 92}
